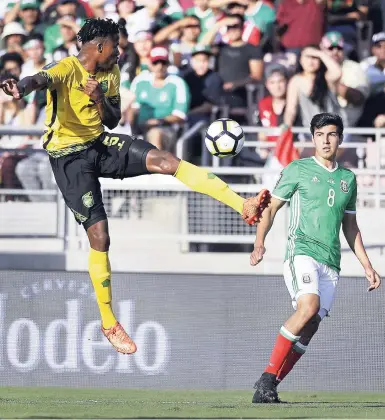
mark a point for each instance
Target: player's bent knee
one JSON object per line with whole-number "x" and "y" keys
{"x": 98, "y": 236}
{"x": 161, "y": 162}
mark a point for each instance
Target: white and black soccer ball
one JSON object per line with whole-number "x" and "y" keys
{"x": 224, "y": 138}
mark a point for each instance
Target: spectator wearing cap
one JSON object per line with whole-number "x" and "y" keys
{"x": 187, "y": 32}
{"x": 14, "y": 8}
{"x": 375, "y": 66}
{"x": 70, "y": 46}
{"x": 343, "y": 16}
{"x": 205, "y": 15}
{"x": 161, "y": 100}
{"x": 204, "y": 84}
{"x": 67, "y": 12}
{"x": 300, "y": 23}
{"x": 13, "y": 37}
{"x": 27, "y": 12}
{"x": 353, "y": 87}
{"x": 239, "y": 63}
{"x": 271, "y": 109}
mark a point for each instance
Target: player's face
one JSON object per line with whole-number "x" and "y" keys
{"x": 200, "y": 64}
{"x": 326, "y": 141}
{"x": 110, "y": 53}
{"x": 276, "y": 84}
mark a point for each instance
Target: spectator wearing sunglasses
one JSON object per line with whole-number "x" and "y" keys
{"x": 353, "y": 87}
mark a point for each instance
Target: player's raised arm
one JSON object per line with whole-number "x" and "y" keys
{"x": 25, "y": 86}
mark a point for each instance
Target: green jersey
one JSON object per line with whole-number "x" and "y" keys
{"x": 207, "y": 19}
{"x": 173, "y": 98}
{"x": 319, "y": 198}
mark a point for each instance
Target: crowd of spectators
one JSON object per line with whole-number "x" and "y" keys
{"x": 261, "y": 62}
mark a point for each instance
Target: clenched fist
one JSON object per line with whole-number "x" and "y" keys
{"x": 93, "y": 90}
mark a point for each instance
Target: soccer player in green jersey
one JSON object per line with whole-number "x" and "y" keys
{"x": 322, "y": 196}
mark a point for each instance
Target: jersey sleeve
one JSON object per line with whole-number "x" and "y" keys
{"x": 351, "y": 206}
{"x": 182, "y": 99}
{"x": 113, "y": 93}
{"x": 287, "y": 183}
{"x": 57, "y": 73}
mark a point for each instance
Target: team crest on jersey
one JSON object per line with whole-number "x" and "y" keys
{"x": 306, "y": 278}
{"x": 104, "y": 86}
{"x": 88, "y": 199}
{"x": 344, "y": 186}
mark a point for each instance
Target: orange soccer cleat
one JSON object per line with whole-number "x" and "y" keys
{"x": 253, "y": 207}
{"x": 120, "y": 339}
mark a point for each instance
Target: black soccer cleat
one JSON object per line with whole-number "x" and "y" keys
{"x": 266, "y": 390}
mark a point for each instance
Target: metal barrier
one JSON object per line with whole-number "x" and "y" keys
{"x": 161, "y": 208}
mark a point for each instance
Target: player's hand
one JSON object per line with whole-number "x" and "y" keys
{"x": 9, "y": 86}
{"x": 373, "y": 279}
{"x": 93, "y": 90}
{"x": 257, "y": 255}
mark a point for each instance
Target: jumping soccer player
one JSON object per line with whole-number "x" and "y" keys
{"x": 83, "y": 97}
{"x": 322, "y": 196}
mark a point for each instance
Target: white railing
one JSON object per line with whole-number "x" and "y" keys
{"x": 183, "y": 217}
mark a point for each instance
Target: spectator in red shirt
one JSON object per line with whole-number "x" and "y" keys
{"x": 272, "y": 107}
{"x": 301, "y": 23}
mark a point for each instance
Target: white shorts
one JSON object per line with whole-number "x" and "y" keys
{"x": 305, "y": 275}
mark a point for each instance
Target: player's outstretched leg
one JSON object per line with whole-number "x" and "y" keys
{"x": 100, "y": 273}
{"x": 204, "y": 182}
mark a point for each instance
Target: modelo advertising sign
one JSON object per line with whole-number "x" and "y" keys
{"x": 192, "y": 332}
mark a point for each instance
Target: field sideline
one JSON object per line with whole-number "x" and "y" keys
{"x": 120, "y": 404}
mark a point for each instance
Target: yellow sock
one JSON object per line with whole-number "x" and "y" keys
{"x": 100, "y": 273}
{"x": 207, "y": 183}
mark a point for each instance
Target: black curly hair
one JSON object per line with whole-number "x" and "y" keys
{"x": 97, "y": 28}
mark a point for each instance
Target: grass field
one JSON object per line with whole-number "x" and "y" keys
{"x": 121, "y": 404}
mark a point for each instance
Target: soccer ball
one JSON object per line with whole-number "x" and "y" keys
{"x": 224, "y": 138}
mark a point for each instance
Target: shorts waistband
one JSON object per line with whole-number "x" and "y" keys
{"x": 72, "y": 149}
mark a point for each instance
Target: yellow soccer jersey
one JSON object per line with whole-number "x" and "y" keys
{"x": 72, "y": 119}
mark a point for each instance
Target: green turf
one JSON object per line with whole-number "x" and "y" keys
{"x": 120, "y": 404}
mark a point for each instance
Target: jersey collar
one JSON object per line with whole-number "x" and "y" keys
{"x": 323, "y": 166}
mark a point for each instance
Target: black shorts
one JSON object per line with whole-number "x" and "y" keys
{"x": 77, "y": 174}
